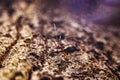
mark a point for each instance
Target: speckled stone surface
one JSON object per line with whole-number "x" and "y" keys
{"x": 43, "y": 46}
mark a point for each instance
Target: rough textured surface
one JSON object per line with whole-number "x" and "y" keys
{"x": 38, "y": 45}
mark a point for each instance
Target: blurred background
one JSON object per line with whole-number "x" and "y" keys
{"x": 105, "y": 12}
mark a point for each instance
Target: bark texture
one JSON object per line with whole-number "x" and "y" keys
{"x": 36, "y": 44}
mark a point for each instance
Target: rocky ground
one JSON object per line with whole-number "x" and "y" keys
{"x": 44, "y": 45}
